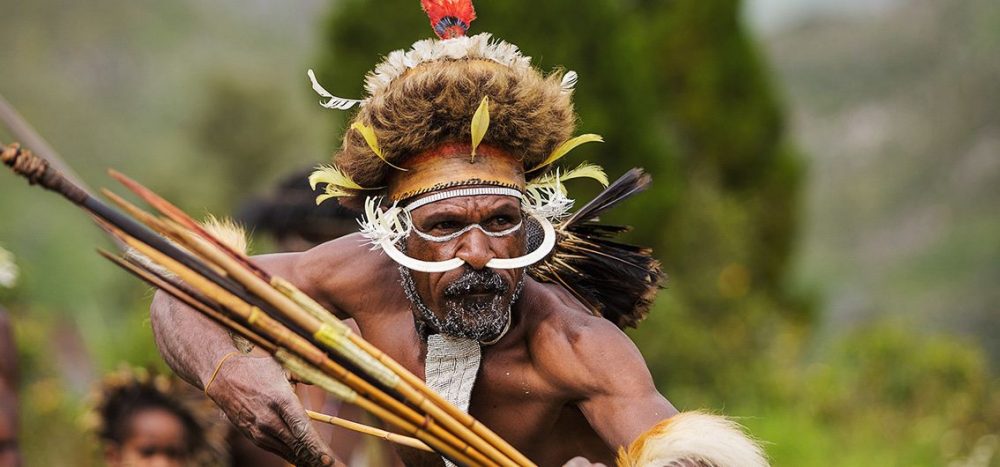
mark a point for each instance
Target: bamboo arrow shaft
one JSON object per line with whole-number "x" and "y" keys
{"x": 434, "y": 434}
{"x": 368, "y": 430}
{"x": 494, "y": 443}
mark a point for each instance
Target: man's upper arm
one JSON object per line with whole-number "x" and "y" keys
{"x": 300, "y": 270}
{"x": 329, "y": 273}
{"x": 617, "y": 394}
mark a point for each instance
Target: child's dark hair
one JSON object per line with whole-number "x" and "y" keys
{"x": 130, "y": 391}
{"x": 122, "y": 403}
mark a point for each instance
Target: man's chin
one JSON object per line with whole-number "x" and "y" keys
{"x": 477, "y": 318}
{"x": 479, "y": 335}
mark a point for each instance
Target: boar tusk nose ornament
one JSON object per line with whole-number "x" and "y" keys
{"x": 388, "y": 245}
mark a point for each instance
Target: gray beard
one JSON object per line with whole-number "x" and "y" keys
{"x": 480, "y": 319}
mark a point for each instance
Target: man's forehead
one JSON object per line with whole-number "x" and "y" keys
{"x": 469, "y": 204}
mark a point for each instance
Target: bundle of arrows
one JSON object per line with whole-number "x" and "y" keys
{"x": 187, "y": 262}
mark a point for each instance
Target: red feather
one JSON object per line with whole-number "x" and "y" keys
{"x": 449, "y": 18}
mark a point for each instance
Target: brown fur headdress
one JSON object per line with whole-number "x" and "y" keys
{"x": 432, "y": 95}
{"x": 468, "y": 115}
{"x": 434, "y": 103}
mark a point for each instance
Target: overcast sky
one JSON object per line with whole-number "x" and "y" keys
{"x": 768, "y": 16}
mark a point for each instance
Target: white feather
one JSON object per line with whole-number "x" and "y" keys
{"x": 569, "y": 81}
{"x": 479, "y": 46}
{"x": 333, "y": 102}
{"x": 8, "y": 270}
{"x": 380, "y": 225}
{"x": 548, "y": 201}
{"x": 696, "y": 438}
{"x": 227, "y": 231}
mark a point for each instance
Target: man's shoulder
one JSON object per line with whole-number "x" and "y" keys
{"x": 348, "y": 259}
{"x": 554, "y": 316}
{"x": 349, "y": 249}
{"x": 566, "y": 340}
{"x": 343, "y": 273}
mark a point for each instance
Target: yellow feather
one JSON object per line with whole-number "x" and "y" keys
{"x": 566, "y": 147}
{"x": 584, "y": 170}
{"x": 227, "y": 231}
{"x": 480, "y": 123}
{"x": 587, "y": 170}
{"x": 368, "y": 133}
{"x": 337, "y": 183}
{"x": 331, "y": 193}
{"x": 332, "y": 175}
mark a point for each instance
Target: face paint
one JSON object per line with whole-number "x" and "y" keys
{"x": 548, "y": 242}
{"x": 385, "y": 228}
{"x": 459, "y": 233}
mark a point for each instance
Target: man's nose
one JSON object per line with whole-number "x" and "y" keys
{"x": 475, "y": 249}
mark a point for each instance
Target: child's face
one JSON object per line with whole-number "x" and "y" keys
{"x": 156, "y": 439}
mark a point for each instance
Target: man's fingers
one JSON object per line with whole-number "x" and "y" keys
{"x": 272, "y": 443}
{"x": 258, "y": 399}
{"x": 257, "y": 431}
{"x": 306, "y": 445}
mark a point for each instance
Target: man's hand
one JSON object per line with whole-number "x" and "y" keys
{"x": 254, "y": 394}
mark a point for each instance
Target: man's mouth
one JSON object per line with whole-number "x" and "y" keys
{"x": 477, "y": 296}
{"x": 485, "y": 284}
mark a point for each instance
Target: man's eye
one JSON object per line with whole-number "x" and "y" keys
{"x": 499, "y": 223}
{"x": 446, "y": 226}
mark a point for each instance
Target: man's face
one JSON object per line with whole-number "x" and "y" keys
{"x": 471, "y": 301}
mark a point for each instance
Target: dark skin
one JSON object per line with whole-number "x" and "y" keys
{"x": 562, "y": 383}
{"x": 156, "y": 439}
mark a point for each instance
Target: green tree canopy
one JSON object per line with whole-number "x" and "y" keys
{"x": 679, "y": 89}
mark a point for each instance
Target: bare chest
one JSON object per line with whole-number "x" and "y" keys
{"x": 510, "y": 396}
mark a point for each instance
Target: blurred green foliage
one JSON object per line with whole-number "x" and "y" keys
{"x": 207, "y": 102}
{"x": 676, "y": 88}
{"x": 680, "y": 89}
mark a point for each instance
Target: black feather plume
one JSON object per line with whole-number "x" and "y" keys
{"x": 616, "y": 280}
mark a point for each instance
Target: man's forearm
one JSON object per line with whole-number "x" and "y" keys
{"x": 190, "y": 343}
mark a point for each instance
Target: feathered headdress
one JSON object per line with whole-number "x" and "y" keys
{"x": 471, "y": 111}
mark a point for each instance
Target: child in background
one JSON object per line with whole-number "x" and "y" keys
{"x": 153, "y": 420}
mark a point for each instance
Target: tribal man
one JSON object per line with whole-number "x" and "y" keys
{"x": 460, "y": 274}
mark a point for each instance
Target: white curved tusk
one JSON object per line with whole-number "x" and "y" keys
{"x": 418, "y": 265}
{"x": 539, "y": 254}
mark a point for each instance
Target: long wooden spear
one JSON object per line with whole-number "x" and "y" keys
{"x": 327, "y": 329}
{"x": 372, "y": 431}
{"x": 309, "y": 363}
{"x": 465, "y": 442}
{"x": 200, "y": 303}
{"x": 21, "y": 130}
{"x": 272, "y": 304}
{"x": 38, "y": 171}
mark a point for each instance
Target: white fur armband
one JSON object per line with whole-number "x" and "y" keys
{"x": 693, "y": 439}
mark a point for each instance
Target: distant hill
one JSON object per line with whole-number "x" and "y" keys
{"x": 900, "y": 114}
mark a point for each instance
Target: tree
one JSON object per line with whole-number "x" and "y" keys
{"x": 676, "y": 88}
